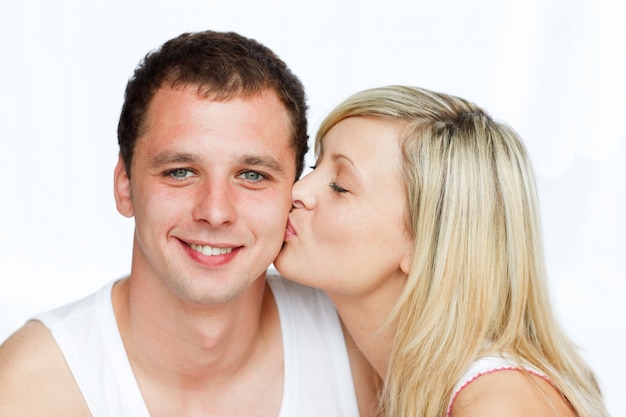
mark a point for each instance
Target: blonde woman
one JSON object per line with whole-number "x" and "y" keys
{"x": 420, "y": 220}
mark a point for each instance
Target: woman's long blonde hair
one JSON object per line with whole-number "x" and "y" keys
{"x": 477, "y": 283}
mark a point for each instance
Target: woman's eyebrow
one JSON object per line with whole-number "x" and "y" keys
{"x": 340, "y": 158}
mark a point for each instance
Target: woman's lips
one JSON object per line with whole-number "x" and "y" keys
{"x": 290, "y": 230}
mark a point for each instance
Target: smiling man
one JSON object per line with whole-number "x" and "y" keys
{"x": 212, "y": 136}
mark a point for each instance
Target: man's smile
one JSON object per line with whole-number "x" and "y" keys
{"x": 210, "y": 250}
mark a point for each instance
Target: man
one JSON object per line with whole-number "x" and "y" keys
{"x": 212, "y": 136}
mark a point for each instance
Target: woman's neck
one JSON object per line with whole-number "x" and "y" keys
{"x": 366, "y": 317}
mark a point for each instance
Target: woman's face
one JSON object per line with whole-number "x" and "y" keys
{"x": 347, "y": 230}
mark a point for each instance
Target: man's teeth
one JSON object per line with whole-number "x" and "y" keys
{"x": 210, "y": 250}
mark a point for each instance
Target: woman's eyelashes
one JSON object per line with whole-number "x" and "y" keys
{"x": 337, "y": 188}
{"x": 333, "y": 185}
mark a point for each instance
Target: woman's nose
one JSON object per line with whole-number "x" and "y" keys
{"x": 303, "y": 192}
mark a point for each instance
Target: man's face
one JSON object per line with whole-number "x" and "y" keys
{"x": 210, "y": 192}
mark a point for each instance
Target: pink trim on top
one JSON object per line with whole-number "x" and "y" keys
{"x": 479, "y": 374}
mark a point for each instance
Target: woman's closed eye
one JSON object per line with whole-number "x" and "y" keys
{"x": 337, "y": 188}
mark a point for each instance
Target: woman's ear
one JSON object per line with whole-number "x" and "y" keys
{"x": 121, "y": 184}
{"x": 405, "y": 263}
{"x": 407, "y": 257}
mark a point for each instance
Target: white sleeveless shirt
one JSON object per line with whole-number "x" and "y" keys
{"x": 487, "y": 365}
{"x": 317, "y": 375}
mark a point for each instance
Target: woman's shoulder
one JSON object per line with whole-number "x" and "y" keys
{"x": 510, "y": 391}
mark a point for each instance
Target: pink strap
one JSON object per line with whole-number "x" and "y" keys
{"x": 479, "y": 374}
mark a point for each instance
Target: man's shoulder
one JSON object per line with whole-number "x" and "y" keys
{"x": 81, "y": 313}
{"x": 34, "y": 378}
{"x": 27, "y": 344}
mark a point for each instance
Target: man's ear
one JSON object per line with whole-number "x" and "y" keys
{"x": 121, "y": 184}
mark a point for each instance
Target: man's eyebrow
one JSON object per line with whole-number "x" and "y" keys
{"x": 263, "y": 161}
{"x": 165, "y": 158}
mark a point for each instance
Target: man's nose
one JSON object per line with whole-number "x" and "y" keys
{"x": 215, "y": 203}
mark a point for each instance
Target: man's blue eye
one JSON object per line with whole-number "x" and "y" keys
{"x": 252, "y": 176}
{"x": 180, "y": 173}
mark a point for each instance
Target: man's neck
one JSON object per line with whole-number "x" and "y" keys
{"x": 194, "y": 352}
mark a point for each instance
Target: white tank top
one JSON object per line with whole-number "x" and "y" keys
{"x": 317, "y": 375}
{"x": 487, "y": 365}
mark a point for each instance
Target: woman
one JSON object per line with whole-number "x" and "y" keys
{"x": 420, "y": 221}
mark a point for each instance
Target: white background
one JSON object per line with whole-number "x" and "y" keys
{"x": 553, "y": 69}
